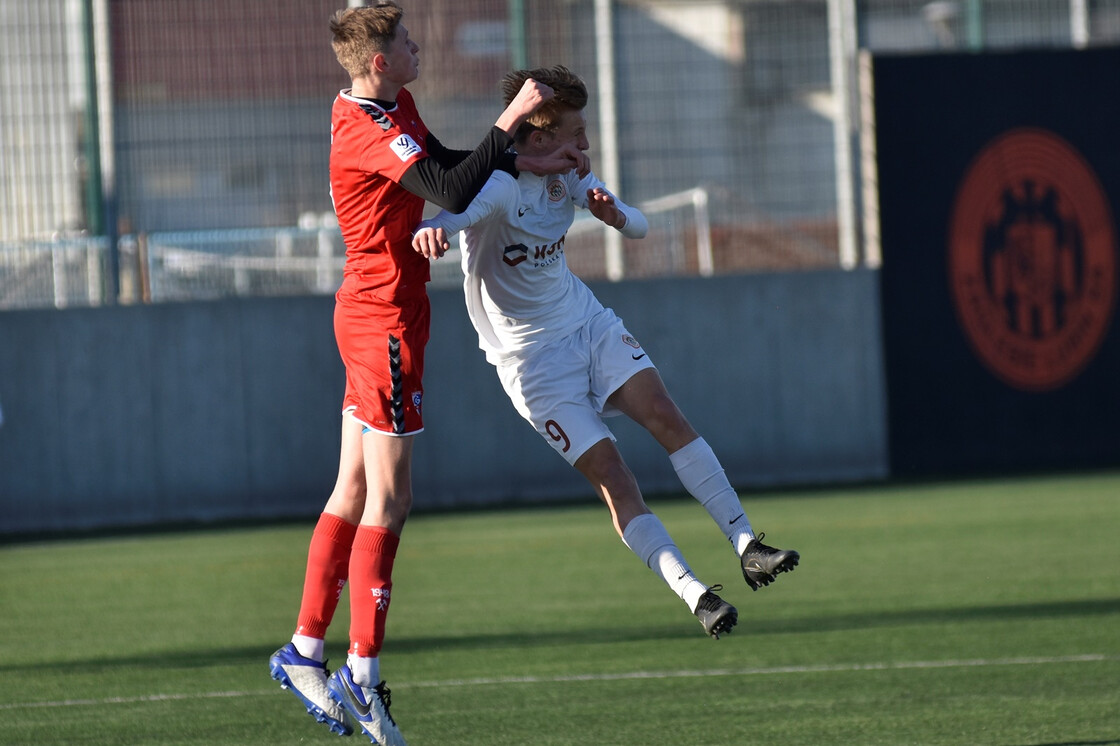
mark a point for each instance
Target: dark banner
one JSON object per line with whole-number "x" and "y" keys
{"x": 999, "y": 191}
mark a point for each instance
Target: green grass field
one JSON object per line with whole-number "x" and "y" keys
{"x": 983, "y": 612}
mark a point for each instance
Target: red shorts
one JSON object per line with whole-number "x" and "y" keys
{"x": 382, "y": 346}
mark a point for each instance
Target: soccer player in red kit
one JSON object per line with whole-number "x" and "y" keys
{"x": 383, "y": 165}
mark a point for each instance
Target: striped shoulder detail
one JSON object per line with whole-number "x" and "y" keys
{"x": 378, "y": 116}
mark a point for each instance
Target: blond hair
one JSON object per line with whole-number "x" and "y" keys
{"x": 360, "y": 33}
{"x": 570, "y": 94}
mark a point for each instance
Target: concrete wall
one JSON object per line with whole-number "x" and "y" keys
{"x": 207, "y": 411}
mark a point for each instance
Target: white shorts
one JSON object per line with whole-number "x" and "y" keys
{"x": 562, "y": 387}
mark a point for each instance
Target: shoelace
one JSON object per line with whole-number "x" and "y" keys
{"x": 760, "y": 547}
{"x": 709, "y": 601}
{"x": 386, "y": 700}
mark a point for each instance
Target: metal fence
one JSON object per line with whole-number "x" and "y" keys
{"x": 171, "y": 149}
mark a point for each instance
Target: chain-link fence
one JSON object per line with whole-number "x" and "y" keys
{"x": 171, "y": 149}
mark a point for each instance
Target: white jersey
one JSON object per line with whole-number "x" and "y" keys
{"x": 519, "y": 291}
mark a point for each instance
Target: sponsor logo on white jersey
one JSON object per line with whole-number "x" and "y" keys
{"x": 548, "y": 253}
{"x": 515, "y": 254}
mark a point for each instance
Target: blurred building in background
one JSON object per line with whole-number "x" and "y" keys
{"x": 177, "y": 149}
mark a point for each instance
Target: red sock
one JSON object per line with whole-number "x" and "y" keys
{"x": 371, "y": 579}
{"x": 328, "y": 565}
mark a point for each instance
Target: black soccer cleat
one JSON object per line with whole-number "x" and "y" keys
{"x": 763, "y": 564}
{"x": 716, "y": 615}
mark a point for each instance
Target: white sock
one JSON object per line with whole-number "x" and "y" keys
{"x": 701, "y": 474}
{"x": 646, "y": 537}
{"x": 365, "y": 671}
{"x": 309, "y": 647}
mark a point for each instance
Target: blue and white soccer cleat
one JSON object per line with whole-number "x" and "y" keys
{"x": 368, "y": 706}
{"x": 307, "y": 679}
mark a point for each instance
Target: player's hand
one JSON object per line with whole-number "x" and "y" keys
{"x": 601, "y": 204}
{"x": 560, "y": 161}
{"x": 527, "y": 100}
{"x": 431, "y": 243}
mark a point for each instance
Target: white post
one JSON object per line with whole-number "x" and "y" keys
{"x": 841, "y": 43}
{"x": 106, "y": 148}
{"x": 705, "y": 261}
{"x": 93, "y": 273}
{"x": 608, "y": 126}
{"x": 869, "y": 165}
{"x": 58, "y": 274}
{"x": 323, "y": 280}
{"x": 240, "y": 278}
{"x": 1079, "y": 23}
{"x": 284, "y": 243}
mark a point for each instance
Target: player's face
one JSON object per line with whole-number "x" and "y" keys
{"x": 572, "y": 128}
{"x": 402, "y": 60}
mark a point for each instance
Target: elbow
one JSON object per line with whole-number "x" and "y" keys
{"x": 457, "y": 206}
{"x": 455, "y": 203}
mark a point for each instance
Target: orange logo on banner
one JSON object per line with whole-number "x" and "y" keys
{"x": 1032, "y": 259}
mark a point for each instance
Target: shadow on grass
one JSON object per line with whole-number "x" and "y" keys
{"x": 605, "y": 635}
{"x": 1005, "y": 612}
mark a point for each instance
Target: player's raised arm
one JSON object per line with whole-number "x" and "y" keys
{"x": 527, "y": 100}
{"x": 431, "y": 237}
{"x": 431, "y": 243}
{"x": 452, "y": 187}
{"x": 565, "y": 158}
{"x": 617, "y": 214}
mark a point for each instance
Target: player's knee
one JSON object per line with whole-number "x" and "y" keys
{"x": 614, "y": 476}
{"x": 350, "y": 490}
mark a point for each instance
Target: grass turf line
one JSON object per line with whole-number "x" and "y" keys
{"x": 864, "y": 643}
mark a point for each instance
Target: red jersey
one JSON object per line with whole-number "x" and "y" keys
{"x": 371, "y": 148}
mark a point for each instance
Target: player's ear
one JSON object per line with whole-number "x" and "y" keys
{"x": 378, "y": 64}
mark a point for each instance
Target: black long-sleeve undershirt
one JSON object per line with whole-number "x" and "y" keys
{"x": 452, "y": 178}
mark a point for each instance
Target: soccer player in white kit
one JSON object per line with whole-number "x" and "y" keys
{"x": 566, "y": 361}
